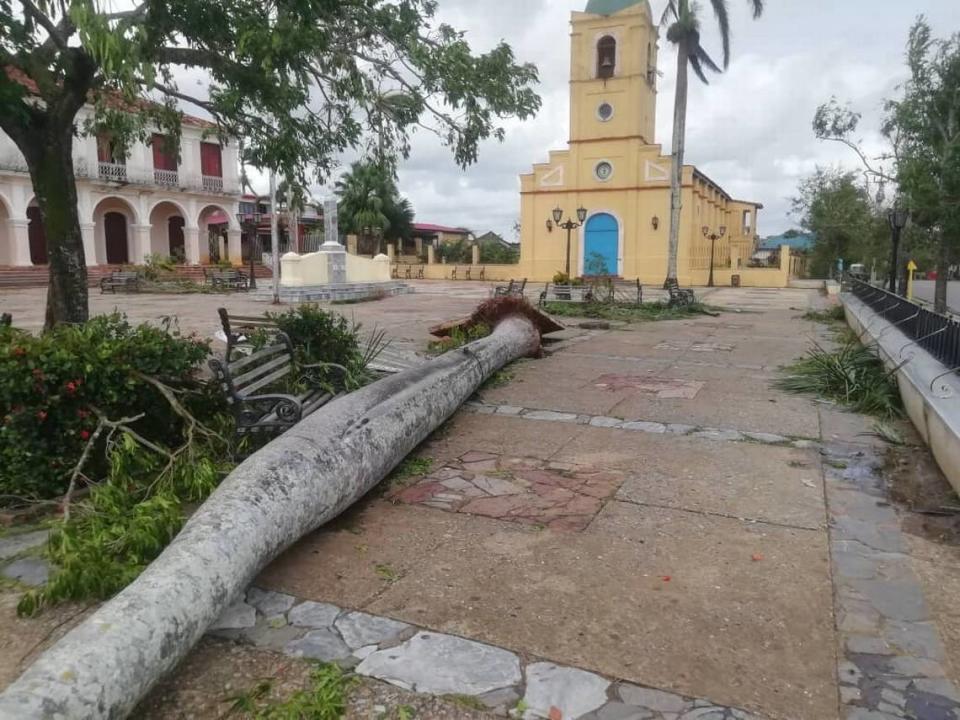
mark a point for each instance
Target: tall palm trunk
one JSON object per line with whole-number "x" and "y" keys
{"x": 679, "y": 140}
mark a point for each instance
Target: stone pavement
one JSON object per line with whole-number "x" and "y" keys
{"x": 638, "y": 525}
{"x": 447, "y": 665}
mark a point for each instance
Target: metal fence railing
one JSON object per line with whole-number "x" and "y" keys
{"x": 938, "y": 334}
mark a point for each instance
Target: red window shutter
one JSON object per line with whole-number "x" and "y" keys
{"x": 211, "y": 160}
{"x": 162, "y": 159}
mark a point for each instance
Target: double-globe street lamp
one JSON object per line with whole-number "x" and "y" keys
{"x": 569, "y": 226}
{"x": 713, "y": 237}
{"x": 897, "y": 216}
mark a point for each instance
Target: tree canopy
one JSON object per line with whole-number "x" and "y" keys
{"x": 922, "y": 160}
{"x": 299, "y": 81}
{"x": 369, "y": 198}
{"x": 927, "y": 122}
{"x": 836, "y": 207}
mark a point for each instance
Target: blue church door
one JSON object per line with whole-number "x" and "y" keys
{"x": 601, "y": 245}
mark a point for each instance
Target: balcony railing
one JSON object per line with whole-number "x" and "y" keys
{"x": 167, "y": 178}
{"x": 132, "y": 175}
{"x": 115, "y": 172}
{"x": 211, "y": 183}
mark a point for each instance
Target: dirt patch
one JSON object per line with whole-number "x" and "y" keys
{"x": 931, "y": 506}
{"x": 206, "y": 684}
{"x": 23, "y": 639}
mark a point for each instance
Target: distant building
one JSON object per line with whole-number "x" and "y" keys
{"x": 768, "y": 250}
{"x": 254, "y": 216}
{"x": 437, "y": 235}
{"x": 493, "y": 238}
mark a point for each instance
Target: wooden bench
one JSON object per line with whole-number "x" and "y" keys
{"x": 566, "y": 293}
{"x": 514, "y": 288}
{"x": 126, "y": 280}
{"x": 256, "y": 380}
{"x": 228, "y": 278}
{"x": 679, "y": 296}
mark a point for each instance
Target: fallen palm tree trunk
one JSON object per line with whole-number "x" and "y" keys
{"x": 300, "y": 481}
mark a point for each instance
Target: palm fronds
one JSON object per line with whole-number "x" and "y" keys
{"x": 851, "y": 375}
{"x": 723, "y": 22}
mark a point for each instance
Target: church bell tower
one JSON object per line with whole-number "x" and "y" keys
{"x": 613, "y": 71}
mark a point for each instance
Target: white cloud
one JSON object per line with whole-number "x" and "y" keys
{"x": 750, "y": 129}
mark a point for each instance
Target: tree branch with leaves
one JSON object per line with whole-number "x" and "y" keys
{"x": 300, "y": 83}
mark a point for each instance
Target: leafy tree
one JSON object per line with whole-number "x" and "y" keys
{"x": 458, "y": 251}
{"x": 927, "y": 122}
{"x": 299, "y": 82}
{"x": 369, "y": 198}
{"x": 683, "y": 20}
{"x": 836, "y": 206}
{"x": 493, "y": 253}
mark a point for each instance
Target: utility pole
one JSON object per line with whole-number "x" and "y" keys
{"x": 274, "y": 239}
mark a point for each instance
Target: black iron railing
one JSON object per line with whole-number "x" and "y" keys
{"x": 938, "y": 334}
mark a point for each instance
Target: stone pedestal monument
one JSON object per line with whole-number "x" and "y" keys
{"x": 335, "y": 253}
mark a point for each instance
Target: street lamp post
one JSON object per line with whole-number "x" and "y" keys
{"x": 713, "y": 237}
{"x": 247, "y": 222}
{"x": 569, "y": 226}
{"x": 897, "y": 218}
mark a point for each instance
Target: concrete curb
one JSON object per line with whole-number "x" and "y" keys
{"x": 936, "y": 415}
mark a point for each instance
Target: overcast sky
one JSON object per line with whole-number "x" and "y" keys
{"x": 749, "y": 130}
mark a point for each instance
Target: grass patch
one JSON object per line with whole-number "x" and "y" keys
{"x": 498, "y": 379}
{"x": 465, "y": 701}
{"x": 324, "y": 699}
{"x": 829, "y": 316}
{"x": 646, "y": 312}
{"x": 410, "y": 468}
{"x": 386, "y": 572}
{"x": 458, "y": 337}
{"x": 851, "y": 375}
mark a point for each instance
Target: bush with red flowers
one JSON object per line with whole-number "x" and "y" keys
{"x": 55, "y": 388}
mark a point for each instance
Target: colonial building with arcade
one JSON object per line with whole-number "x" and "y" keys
{"x": 153, "y": 199}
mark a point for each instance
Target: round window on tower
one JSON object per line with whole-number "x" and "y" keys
{"x": 605, "y": 111}
{"x": 603, "y": 171}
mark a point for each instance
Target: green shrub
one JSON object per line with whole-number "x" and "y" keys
{"x": 55, "y": 388}
{"x": 319, "y": 336}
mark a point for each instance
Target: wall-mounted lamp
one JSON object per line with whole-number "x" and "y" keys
{"x": 549, "y": 225}
{"x": 655, "y": 221}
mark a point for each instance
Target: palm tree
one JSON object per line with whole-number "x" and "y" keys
{"x": 684, "y": 32}
{"x": 369, "y": 198}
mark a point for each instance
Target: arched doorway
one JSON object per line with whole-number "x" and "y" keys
{"x": 214, "y": 223}
{"x": 178, "y": 244}
{"x": 37, "y": 234}
{"x": 115, "y": 235}
{"x": 601, "y": 245}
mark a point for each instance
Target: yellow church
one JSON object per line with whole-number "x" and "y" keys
{"x": 614, "y": 170}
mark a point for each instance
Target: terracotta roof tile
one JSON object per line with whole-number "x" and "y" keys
{"x": 113, "y": 100}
